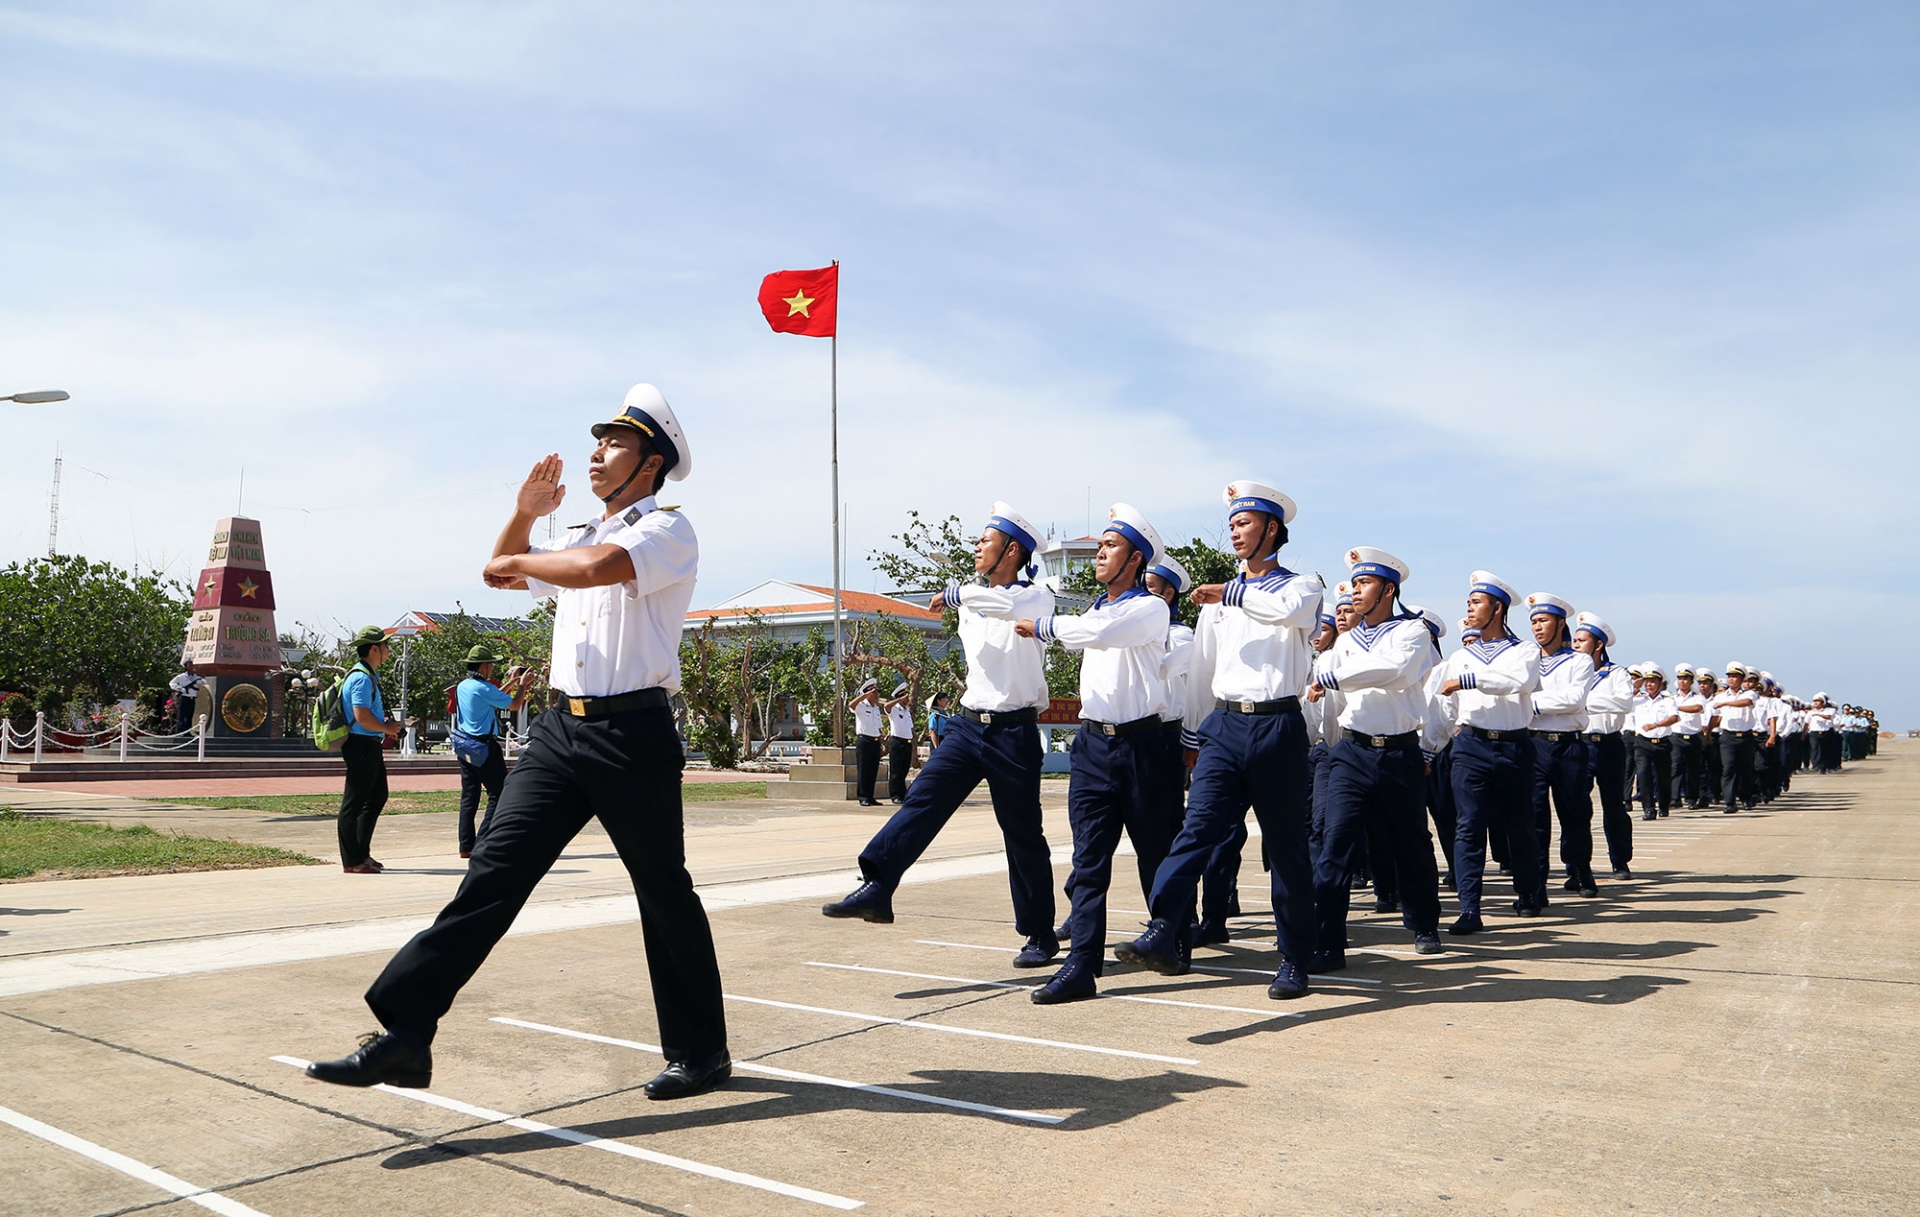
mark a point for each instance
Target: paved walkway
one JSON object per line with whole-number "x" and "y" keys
{"x": 1732, "y": 1032}
{"x": 397, "y": 779}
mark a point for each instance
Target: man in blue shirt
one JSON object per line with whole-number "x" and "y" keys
{"x": 365, "y": 795}
{"x": 476, "y": 739}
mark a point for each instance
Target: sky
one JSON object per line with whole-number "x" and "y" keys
{"x": 1618, "y": 302}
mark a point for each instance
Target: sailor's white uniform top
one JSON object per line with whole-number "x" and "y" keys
{"x": 1004, "y": 670}
{"x": 1497, "y": 678}
{"x": 1125, "y": 641}
{"x": 1174, "y": 668}
{"x": 1254, "y": 645}
{"x": 1437, "y": 731}
{"x": 1609, "y": 700}
{"x": 625, "y": 636}
{"x": 1381, "y": 670}
{"x": 1560, "y": 703}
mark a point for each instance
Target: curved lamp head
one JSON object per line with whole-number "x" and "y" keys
{"x": 35, "y": 399}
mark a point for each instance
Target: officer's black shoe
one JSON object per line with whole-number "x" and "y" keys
{"x": 1648, "y": 815}
{"x": 1386, "y": 904}
{"x": 683, "y": 1079}
{"x": 1288, "y": 983}
{"x": 1427, "y": 944}
{"x": 1060, "y": 932}
{"x": 1038, "y": 952}
{"x": 1327, "y": 961}
{"x": 869, "y": 802}
{"x": 1730, "y": 811}
{"x": 1469, "y": 923}
{"x": 868, "y": 902}
{"x": 1447, "y": 882}
{"x": 1210, "y": 931}
{"x": 1621, "y": 872}
{"x": 1571, "y": 885}
{"x": 1587, "y": 887}
{"x": 1073, "y": 982}
{"x": 395, "y": 1059}
{"x": 1663, "y": 813}
{"x": 1157, "y": 950}
{"x": 1522, "y": 909}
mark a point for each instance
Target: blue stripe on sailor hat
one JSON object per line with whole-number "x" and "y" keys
{"x": 646, "y": 411}
{"x": 1592, "y": 623}
{"x": 1129, "y": 523}
{"x": 1168, "y": 567}
{"x": 1247, "y": 495}
{"x": 1006, "y": 520}
{"x": 1547, "y": 602}
{"x": 1343, "y": 594}
{"x": 1493, "y": 585}
{"x": 1366, "y": 560}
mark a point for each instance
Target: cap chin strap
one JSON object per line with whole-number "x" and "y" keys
{"x": 622, "y": 487}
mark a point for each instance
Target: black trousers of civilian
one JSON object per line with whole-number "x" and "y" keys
{"x": 364, "y": 797}
{"x": 623, "y": 770}
{"x": 899, "y": 764}
{"x": 489, "y": 774}
{"x": 866, "y": 760}
{"x": 1653, "y": 760}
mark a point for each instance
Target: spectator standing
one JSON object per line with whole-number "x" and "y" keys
{"x": 476, "y": 735}
{"x": 936, "y": 721}
{"x": 365, "y": 795}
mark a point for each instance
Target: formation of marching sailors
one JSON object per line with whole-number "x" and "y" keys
{"x": 1340, "y": 722}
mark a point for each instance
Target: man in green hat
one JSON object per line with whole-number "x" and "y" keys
{"x": 476, "y": 734}
{"x": 365, "y": 795}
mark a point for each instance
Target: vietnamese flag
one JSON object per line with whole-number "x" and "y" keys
{"x": 802, "y": 301}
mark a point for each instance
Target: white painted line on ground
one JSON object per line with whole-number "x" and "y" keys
{"x": 1318, "y": 978}
{"x": 1008, "y": 984}
{"x": 974, "y": 946}
{"x": 951, "y": 1030}
{"x": 795, "y": 1076}
{"x": 201, "y": 1196}
{"x": 574, "y": 1136}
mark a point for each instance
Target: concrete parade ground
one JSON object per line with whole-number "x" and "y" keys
{"x": 1733, "y": 1031}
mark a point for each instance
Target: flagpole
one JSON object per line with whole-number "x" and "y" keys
{"x": 839, "y": 652}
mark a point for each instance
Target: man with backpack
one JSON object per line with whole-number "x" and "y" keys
{"x": 365, "y": 795}
{"x": 475, "y": 735}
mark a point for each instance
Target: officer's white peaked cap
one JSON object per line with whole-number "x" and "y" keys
{"x": 1734, "y": 665}
{"x": 647, "y": 412}
{"x": 1651, "y": 670}
{"x": 1682, "y": 669}
{"x": 1245, "y": 494}
{"x": 1366, "y": 560}
{"x": 1129, "y": 523}
{"x": 1547, "y": 602}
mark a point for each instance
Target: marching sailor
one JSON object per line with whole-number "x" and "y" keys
{"x": 1436, "y": 741}
{"x": 994, "y": 737}
{"x": 1561, "y": 773}
{"x": 1609, "y": 702}
{"x": 1251, "y": 661}
{"x": 1377, "y": 769}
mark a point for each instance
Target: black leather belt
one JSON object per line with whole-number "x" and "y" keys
{"x": 1599, "y": 735}
{"x": 1497, "y": 736}
{"x": 1000, "y": 718}
{"x": 1137, "y": 726}
{"x": 619, "y": 703}
{"x": 1556, "y": 736}
{"x": 1405, "y": 739}
{"x": 1283, "y": 706}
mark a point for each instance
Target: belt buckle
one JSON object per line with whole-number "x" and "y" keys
{"x": 986, "y": 718}
{"x": 1378, "y": 741}
{"x": 1495, "y": 735}
{"x": 577, "y": 706}
{"x": 1246, "y": 707}
{"x": 1108, "y": 730}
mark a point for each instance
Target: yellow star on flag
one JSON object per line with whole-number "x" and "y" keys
{"x": 248, "y": 587}
{"x": 798, "y": 304}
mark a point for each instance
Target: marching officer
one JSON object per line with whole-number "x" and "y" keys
{"x": 1733, "y": 718}
{"x": 1689, "y": 751}
{"x": 1561, "y": 774}
{"x": 1251, "y": 661}
{"x": 622, "y": 584}
{"x": 1653, "y": 722}
{"x": 1709, "y": 686}
{"x": 994, "y": 737}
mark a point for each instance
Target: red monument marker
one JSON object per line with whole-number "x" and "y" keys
{"x": 231, "y": 636}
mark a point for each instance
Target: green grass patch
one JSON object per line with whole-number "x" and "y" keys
{"x": 405, "y": 803}
{"x": 60, "y": 849}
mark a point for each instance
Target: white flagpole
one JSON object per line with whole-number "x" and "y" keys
{"x": 839, "y": 653}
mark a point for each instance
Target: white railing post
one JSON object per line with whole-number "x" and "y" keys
{"x": 39, "y": 734}
{"x": 202, "y": 754}
{"x": 125, "y": 727}
{"x": 6, "y": 740}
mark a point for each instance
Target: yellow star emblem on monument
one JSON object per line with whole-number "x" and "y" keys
{"x": 248, "y": 587}
{"x": 798, "y": 303}
{"x": 212, "y": 583}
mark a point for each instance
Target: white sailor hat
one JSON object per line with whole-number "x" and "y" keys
{"x": 1653, "y": 671}
{"x": 1366, "y": 560}
{"x": 1682, "y": 669}
{"x": 647, "y": 412}
{"x": 1326, "y": 614}
{"x": 1343, "y": 594}
{"x": 1006, "y": 520}
{"x": 899, "y": 690}
{"x": 1820, "y": 697}
{"x": 1493, "y": 585}
{"x": 1434, "y": 624}
{"x": 1592, "y": 623}
{"x": 1168, "y": 567}
{"x": 1129, "y": 523}
{"x": 1547, "y": 602}
{"x": 1767, "y": 676}
{"x": 1247, "y": 495}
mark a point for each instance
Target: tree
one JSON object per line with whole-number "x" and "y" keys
{"x": 76, "y": 625}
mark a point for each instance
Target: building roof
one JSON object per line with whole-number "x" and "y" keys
{"x": 418, "y": 620}
{"x": 787, "y": 603}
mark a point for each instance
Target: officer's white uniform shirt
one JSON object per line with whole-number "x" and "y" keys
{"x": 1795, "y": 721}
{"x": 1820, "y": 719}
{"x": 1653, "y": 710}
{"x": 1125, "y": 641}
{"x": 1004, "y": 670}
{"x": 1692, "y": 721}
{"x": 625, "y": 637}
{"x": 1560, "y": 703}
{"x": 1734, "y": 718}
{"x": 1254, "y": 645}
{"x": 867, "y": 719}
{"x": 1610, "y": 699}
{"x": 1174, "y": 668}
{"x": 1436, "y": 732}
{"x": 186, "y": 684}
{"x": 1381, "y": 671}
{"x": 1771, "y": 712}
{"x": 900, "y": 722}
{"x": 1497, "y": 679}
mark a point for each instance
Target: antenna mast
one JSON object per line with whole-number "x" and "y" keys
{"x": 53, "y": 510}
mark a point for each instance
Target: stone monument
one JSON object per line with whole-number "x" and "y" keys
{"x": 232, "y": 641}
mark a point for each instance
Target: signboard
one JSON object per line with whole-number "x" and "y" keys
{"x": 1061, "y": 712}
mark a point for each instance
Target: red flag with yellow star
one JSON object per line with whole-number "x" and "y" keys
{"x": 801, "y": 301}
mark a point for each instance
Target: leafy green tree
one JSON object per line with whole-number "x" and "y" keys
{"x": 72, "y": 624}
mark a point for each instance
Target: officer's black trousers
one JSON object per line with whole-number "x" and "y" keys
{"x": 1366, "y": 784}
{"x": 1607, "y": 756}
{"x": 1007, "y": 757}
{"x": 1710, "y": 756}
{"x": 364, "y": 796}
{"x": 1736, "y": 769}
{"x": 1561, "y": 778}
{"x": 1689, "y": 771}
{"x": 899, "y": 764}
{"x": 866, "y": 759}
{"x": 623, "y": 770}
{"x": 1653, "y": 760}
{"x": 489, "y": 775}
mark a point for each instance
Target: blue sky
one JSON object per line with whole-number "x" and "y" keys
{"x": 1619, "y": 304}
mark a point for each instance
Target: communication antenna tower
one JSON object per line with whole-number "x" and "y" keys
{"x": 53, "y": 510}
